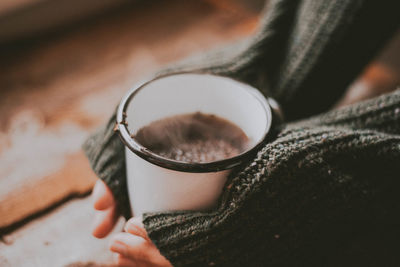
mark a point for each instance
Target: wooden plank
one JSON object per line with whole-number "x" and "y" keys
{"x": 27, "y": 18}
{"x": 60, "y": 89}
{"x": 19, "y": 198}
{"x": 60, "y": 238}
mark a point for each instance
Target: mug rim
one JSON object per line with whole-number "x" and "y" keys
{"x": 194, "y": 167}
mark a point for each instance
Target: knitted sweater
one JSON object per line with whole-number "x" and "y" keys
{"x": 324, "y": 192}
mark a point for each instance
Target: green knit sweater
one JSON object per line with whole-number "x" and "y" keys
{"x": 325, "y": 191}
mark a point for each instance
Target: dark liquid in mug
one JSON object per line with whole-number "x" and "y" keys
{"x": 194, "y": 137}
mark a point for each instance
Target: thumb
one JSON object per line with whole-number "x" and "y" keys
{"x": 135, "y": 226}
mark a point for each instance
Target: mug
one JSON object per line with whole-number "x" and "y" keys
{"x": 159, "y": 184}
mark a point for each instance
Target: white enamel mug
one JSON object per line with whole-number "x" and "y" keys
{"x": 158, "y": 184}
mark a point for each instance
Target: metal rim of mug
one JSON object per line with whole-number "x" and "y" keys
{"x": 148, "y": 155}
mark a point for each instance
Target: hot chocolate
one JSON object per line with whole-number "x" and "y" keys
{"x": 194, "y": 137}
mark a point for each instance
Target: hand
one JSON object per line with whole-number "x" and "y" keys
{"x": 135, "y": 248}
{"x": 107, "y": 214}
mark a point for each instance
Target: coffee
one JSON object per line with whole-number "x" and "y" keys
{"x": 193, "y": 137}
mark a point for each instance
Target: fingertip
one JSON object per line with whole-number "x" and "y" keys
{"x": 131, "y": 246}
{"x": 98, "y": 230}
{"x": 135, "y": 226}
{"x": 98, "y": 233}
{"x": 127, "y": 239}
{"x": 118, "y": 246}
{"x": 102, "y": 196}
{"x": 137, "y": 249}
{"x": 138, "y": 221}
{"x": 104, "y": 222}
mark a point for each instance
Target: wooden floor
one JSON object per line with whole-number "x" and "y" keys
{"x": 58, "y": 90}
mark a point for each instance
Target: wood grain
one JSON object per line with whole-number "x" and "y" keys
{"x": 57, "y": 90}
{"x": 60, "y": 238}
{"x": 18, "y": 200}
{"x": 27, "y": 18}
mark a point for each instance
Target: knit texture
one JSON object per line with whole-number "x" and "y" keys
{"x": 324, "y": 192}
{"x": 305, "y": 53}
{"x": 106, "y": 155}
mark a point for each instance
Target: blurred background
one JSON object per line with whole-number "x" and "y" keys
{"x": 64, "y": 66}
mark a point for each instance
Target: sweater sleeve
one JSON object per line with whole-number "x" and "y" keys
{"x": 305, "y": 50}
{"x": 330, "y": 43}
{"x": 300, "y": 45}
{"x": 323, "y": 188}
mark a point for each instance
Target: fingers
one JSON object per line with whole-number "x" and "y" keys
{"x": 135, "y": 226}
{"x": 102, "y": 196}
{"x": 137, "y": 249}
{"x": 104, "y": 201}
{"x": 131, "y": 246}
{"x": 104, "y": 222}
